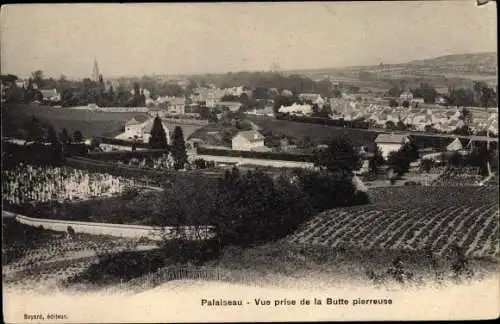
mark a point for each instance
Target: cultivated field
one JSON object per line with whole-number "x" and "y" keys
{"x": 37, "y": 257}
{"x": 412, "y": 219}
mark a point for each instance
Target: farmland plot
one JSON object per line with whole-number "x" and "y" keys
{"x": 32, "y": 256}
{"x": 416, "y": 219}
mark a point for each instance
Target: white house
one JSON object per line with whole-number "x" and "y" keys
{"x": 390, "y": 142}
{"x": 296, "y": 109}
{"x": 440, "y": 100}
{"x": 134, "y": 124}
{"x": 51, "y": 95}
{"x": 406, "y": 95}
{"x": 266, "y": 111}
{"x": 177, "y": 106}
{"x": 233, "y": 106}
{"x": 139, "y": 128}
{"x": 455, "y": 145}
{"x": 248, "y": 141}
{"x": 418, "y": 100}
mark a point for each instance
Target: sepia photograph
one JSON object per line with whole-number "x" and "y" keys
{"x": 250, "y": 162}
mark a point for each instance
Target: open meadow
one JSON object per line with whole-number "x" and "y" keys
{"x": 89, "y": 123}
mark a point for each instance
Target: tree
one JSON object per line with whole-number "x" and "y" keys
{"x": 336, "y": 92}
{"x": 376, "y": 161}
{"x": 37, "y": 77}
{"x": 306, "y": 142}
{"x": 400, "y": 125}
{"x": 417, "y": 93}
{"x": 428, "y": 92}
{"x": 34, "y": 129}
{"x": 365, "y": 76}
{"x": 426, "y": 165}
{"x": 394, "y": 92}
{"x": 461, "y": 97}
{"x": 430, "y": 129}
{"x": 77, "y": 137}
{"x": 488, "y": 98}
{"x": 178, "y": 148}
{"x": 406, "y": 104}
{"x": 393, "y": 103}
{"x": 282, "y": 101}
{"x": 340, "y": 157}
{"x": 51, "y": 135}
{"x": 398, "y": 162}
{"x": 390, "y": 125}
{"x": 463, "y": 131}
{"x": 158, "y": 138}
{"x": 64, "y": 137}
{"x": 14, "y": 94}
{"x": 228, "y": 97}
{"x": 480, "y": 157}
{"x": 455, "y": 160}
{"x": 324, "y": 88}
{"x": 410, "y": 150}
{"x": 466, "y": 116}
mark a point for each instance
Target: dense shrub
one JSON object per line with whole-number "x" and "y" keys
{"x": 325, "y": 192}
{"x": 251, "y": 208}
{"x": 113, "y": 267}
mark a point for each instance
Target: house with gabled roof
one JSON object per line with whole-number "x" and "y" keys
{"x": 388, "y": 143}
{"x": 439, "y": 144}
{"x": 248, "y": 141}
{"x": 135, "y": 122}
{"x": 50, "y": 95}
{"x": 406, "y": 95}
{"x": 139, "y": 128}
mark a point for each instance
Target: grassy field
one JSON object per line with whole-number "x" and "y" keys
{"x": 318, "y": 133}
{"x": 106, "y": 124}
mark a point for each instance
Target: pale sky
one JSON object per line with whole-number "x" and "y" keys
{"x": 220, "y": 37}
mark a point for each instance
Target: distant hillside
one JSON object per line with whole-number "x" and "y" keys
{"x": 441, "y": 71}
{"x": 474, "y": 62}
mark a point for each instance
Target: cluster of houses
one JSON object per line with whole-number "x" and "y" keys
{"x": 445, "y": 120}
{"x": 429, "y": 147}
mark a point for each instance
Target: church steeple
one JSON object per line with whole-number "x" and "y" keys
{"x": 95, "y": 72}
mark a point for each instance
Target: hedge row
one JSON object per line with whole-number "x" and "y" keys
{"x": 116, "y": 170}
{"x": 114, "y": 141}
{"x": 323, "y": 121}
{"x": 257, "y": 155}
{"x": 120, "y": 155}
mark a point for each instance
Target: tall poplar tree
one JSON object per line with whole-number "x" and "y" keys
{"x": 179, "y": 148}
{"x": 158, "y": 139}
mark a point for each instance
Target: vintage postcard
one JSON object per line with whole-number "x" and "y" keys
{"x": 249, "y": 162}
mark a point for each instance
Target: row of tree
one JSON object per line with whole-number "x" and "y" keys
{"x": 158, "y": 140}
{"x": 73, "y": 93}
{"x": 480, "y": 95}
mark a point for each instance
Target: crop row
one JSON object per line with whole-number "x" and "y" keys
{"x": 474, "y": 228}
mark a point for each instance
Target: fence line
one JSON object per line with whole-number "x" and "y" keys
{"x": 211, "y": 273}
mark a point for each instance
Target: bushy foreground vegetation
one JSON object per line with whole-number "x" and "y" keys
{"x": 251, "y": 208}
